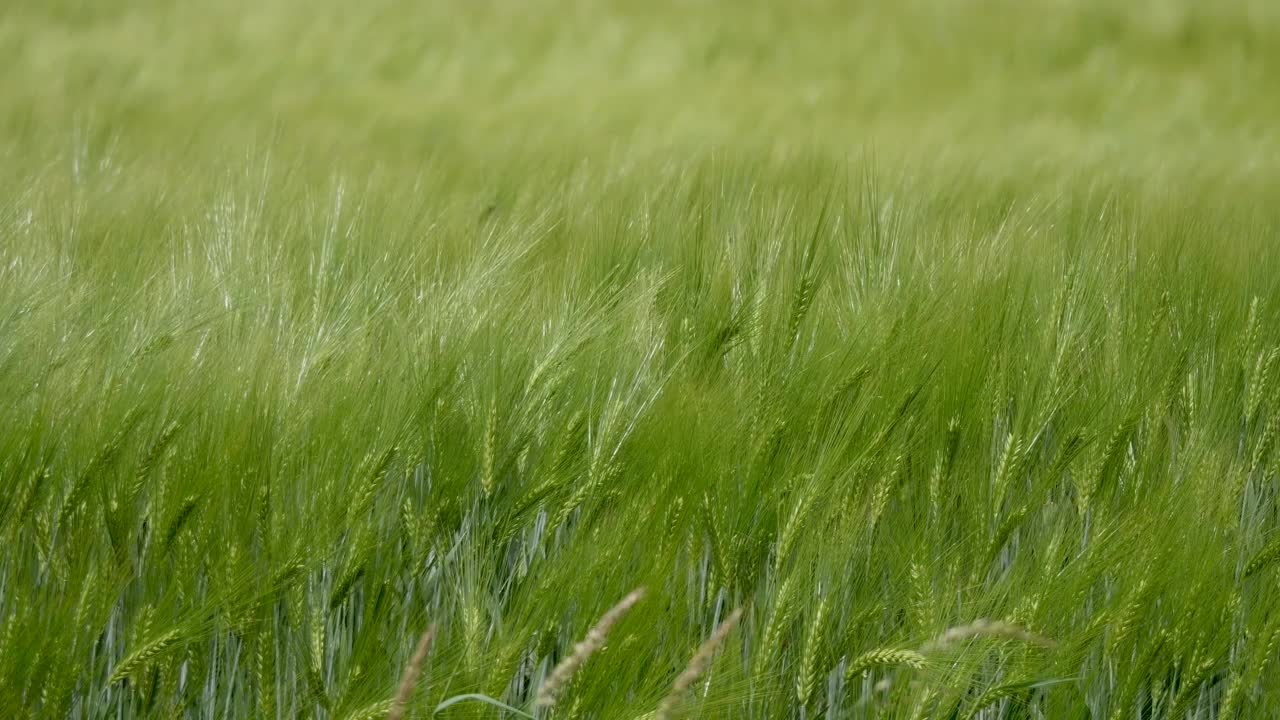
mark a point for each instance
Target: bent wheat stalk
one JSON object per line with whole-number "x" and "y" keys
{"x": 697, "y": 666}
{"x": 411, "y": 673}
{"x": 989, "y": 628}
{"x": 559, "y": 678}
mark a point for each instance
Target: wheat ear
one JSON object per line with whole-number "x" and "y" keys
{"x": 982, "y": 626}
{"x": 697, "y": 665}
{"x": 411, "y": 673}
{"x": 563, "y": 673}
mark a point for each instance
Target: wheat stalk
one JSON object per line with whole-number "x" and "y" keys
{"x": 1269, "y": 433}
{"x": 1010, "y": 458}
{"x": 488, "y": 452}
{"x": 988, "y": 628}
{"x": 265, "y": 659}
{"x": 778, "y": 620}
{"x": 154, "y": 454}
{"x": 142, "y": 655}
{"x": 559, "y": 678}
{"x": 883, "y": 656}
{"x": 1247, "y": 676}
{"x": 813, "y": 642}
{"x": 697, "y": 665}
{"x": 791, "y": 530}
{"x": 410, "y": 676}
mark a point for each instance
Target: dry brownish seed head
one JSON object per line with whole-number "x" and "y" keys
{"x": 411, "y": 673}
{"x": 563, "y": 673}
{"x": 697, "y": 665}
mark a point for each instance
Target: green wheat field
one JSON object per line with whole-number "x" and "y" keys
{"x": 913, "y": 359}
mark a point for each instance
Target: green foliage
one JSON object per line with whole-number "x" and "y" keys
{"x": 940, "y": 338}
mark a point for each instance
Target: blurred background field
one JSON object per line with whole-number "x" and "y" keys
{"x": 1024, "y": 87}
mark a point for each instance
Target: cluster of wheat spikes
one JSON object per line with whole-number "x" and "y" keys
{"x": 555, "y": 684}
{"x": 942, "y": 338}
